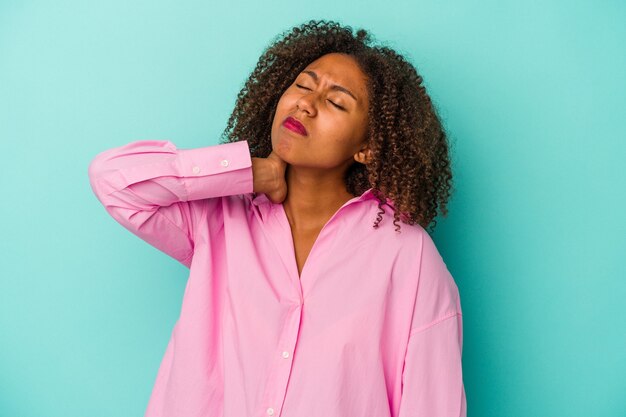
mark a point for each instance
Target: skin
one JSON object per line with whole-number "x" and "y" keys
{"x": 314, "y": 165}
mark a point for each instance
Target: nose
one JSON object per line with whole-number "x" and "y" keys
{"x": 307, "y": 104}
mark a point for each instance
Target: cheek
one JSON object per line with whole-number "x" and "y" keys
{"x": 341, "y": 129}
{"x": 287, "y": 99}
{"x": 335, "y": 147}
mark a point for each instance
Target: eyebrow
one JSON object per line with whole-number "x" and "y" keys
{"x": 333, "y": 86}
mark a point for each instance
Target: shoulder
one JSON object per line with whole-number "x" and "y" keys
{"x": 437, "y": 292}
{"x": 418, "y": 260}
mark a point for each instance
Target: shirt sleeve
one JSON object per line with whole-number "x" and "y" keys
{"x": 158, "y": 191}
{"x": 432, "y": 377}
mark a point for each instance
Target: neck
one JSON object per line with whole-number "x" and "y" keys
{"x": 313, "y": 198}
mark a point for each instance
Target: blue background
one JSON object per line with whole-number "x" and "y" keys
{"x": 531, "y": 94}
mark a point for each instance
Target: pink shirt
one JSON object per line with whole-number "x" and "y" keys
{"x": 371, "y": 328}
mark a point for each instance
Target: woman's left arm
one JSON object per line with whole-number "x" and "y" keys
{"x": 432, "y": 377}
{"x": 432, "y": 380}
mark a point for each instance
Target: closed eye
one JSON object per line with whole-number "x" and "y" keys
{"x": 336, "y": 105}
{"x": 339, "y": 107}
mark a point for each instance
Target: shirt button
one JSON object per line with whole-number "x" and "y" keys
{"x": 285, "y": 354}
{"x": 224, "y": 162}
{"x": 195, "y": 170}
{"x": 270, "y": 411}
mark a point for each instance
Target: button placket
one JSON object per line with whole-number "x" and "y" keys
{"x": 278, "y": 380}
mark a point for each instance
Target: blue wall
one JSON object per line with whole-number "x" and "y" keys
{"x": 531, "y": 93}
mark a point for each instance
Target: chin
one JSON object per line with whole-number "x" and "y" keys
{"x": 283, "y": 146}
{"x": 283, "y": 154}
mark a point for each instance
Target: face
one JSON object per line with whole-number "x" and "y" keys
{"x": 329, "y": 98}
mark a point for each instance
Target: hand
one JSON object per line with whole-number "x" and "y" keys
{"x": 269, "y": 177}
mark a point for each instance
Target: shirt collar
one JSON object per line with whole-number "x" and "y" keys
{"x": 261, "y": 198}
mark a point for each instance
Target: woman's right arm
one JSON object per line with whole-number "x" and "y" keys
{"x": 158, "y": 191}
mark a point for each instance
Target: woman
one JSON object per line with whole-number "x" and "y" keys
{"x": 296, "y": 304}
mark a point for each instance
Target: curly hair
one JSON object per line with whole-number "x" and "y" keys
{"x": 410, "y": 162}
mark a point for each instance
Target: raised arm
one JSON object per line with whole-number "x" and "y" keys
{"x": 158, "y": 192}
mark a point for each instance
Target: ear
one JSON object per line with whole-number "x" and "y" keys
{"x": 363, "y": 156}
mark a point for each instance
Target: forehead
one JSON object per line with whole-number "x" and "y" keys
{"x": 340, "y": 68}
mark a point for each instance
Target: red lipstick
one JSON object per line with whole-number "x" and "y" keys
{"x": 293, "y": 124}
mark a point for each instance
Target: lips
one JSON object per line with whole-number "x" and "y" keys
{"x": 292, "y": 124}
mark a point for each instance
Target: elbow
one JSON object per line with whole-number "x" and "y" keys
{"x": 94, "y": 168}
{"x": 97, "y": 167}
